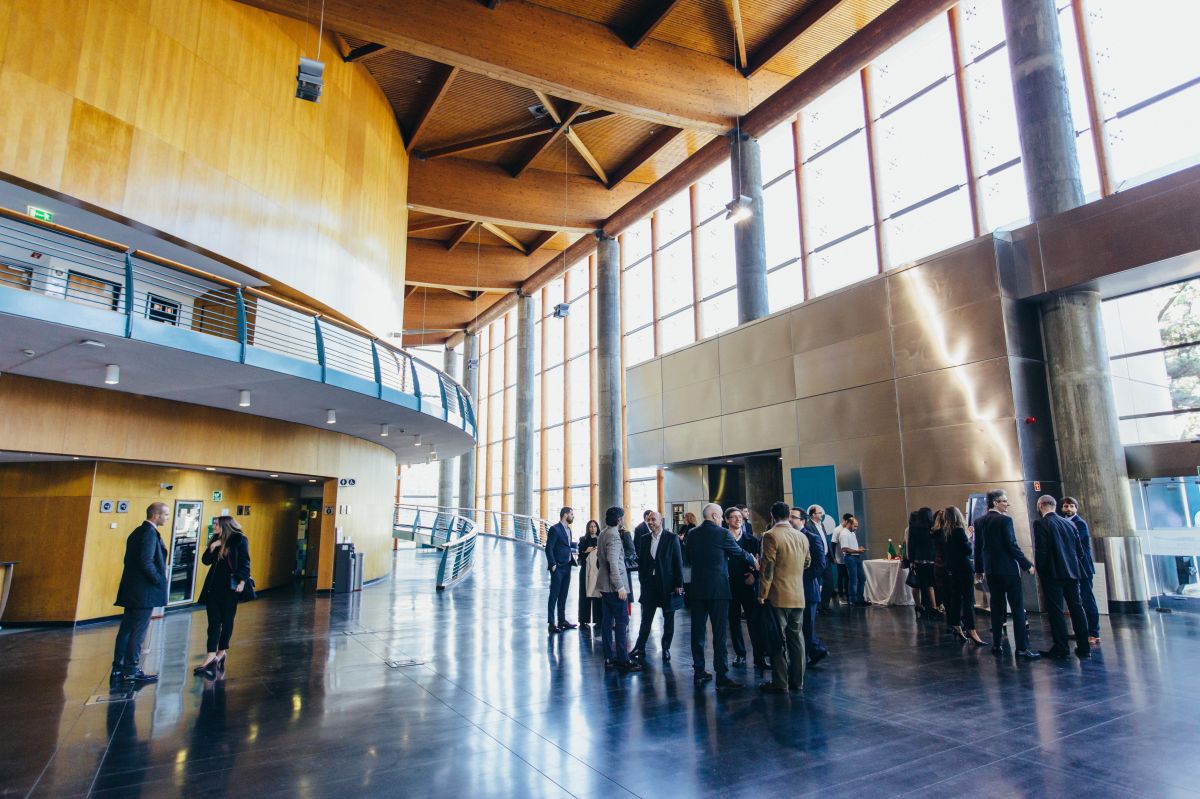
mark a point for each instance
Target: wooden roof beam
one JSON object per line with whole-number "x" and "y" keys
{"x": 363, "y": 51}
{"x": 437, "y": 223}
{"x": 504, "y": 236}
{"x": 656, "y": 12}
{"x": 739, "y": 31}
{"x": 443, "y": 76}
{"x": 564, "y": 119}
{"x": 785, "y": 36}
{"x": 491, "y": 140}
{"x": 523, "y": 43}
{"x": 541, "y": 241}
{"x": 593, "y": 163}
{"x": 660, "y": 139}
{"x": 489, "y": 266}
{"x": 460, "y": 236}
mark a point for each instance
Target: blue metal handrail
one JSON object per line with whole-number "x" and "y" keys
{"x": 449, "y": 533}
{"x": 149, "y": 295}
{"x": 518, "y": 527}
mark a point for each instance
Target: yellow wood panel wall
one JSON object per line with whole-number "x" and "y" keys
{"x": 60, "y": 418}
{"x": 271, "y": 525}
{"x": 43, "y": 516}
{"x": 180, "y": 115}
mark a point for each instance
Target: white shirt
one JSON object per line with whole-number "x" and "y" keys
{"x": 848, "y": 541}
{"x": 838, "y": 532}
{"x": 654, "y": 543}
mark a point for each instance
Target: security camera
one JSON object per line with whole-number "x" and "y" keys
{"x": 561, "y": 310}
{"x": 166, "y": 486}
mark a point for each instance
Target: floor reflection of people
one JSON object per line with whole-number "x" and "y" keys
{"x": 133, "y": 754}
{"x": 210, "y": 756}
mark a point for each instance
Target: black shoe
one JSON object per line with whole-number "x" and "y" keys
{"x": 726, "y": 684}
{"x": 552, "y": 629}
{"x": 629, "y": 666}
{"x": 701, "y": 677}
{"x": 818, "y": 657}
{"x": 1083, "y": 654}
{"x": 666, "y": 656}
{"x": 637, "y": 654}
{"x": 141, "y": 676}
{"x": 761, "y": 665}
{"x": 117, "y": 673}
{"x": 1028, "y": 654}
{"x": 997, "y": 650}
{"x": 772, "y": 688}
{"x": 608, "y": 663}
{"x": 566, "y": 625}
{"x": 980, "y": 642}
{"x": 740, "y": 660}
{"x": 795, "y": 688}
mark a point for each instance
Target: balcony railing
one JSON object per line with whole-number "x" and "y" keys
{"x": 451, "y": 534}
{"x": 138, "y": 295}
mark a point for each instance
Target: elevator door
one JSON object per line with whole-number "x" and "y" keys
{"x": 185, "y": 538}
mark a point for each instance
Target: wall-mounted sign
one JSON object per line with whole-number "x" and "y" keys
{"x": 40, "y": 214}
{"x": 122, "y": 506}
{"x": 217, "y": 496}
{"x": 346, "y": 482}
{"x": 106, "y": 506}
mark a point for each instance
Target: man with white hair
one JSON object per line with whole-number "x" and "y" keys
{"x": 707, "y": 546}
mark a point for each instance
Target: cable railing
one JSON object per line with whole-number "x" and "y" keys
{"x": 526, "y": 529}
{"x": 451, "y": 534}
{"x": 136, "y": 294}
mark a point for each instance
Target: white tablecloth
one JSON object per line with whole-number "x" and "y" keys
{"x": 885, "y": 583}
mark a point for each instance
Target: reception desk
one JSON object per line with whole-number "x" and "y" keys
{"x": 6, "y": 573}
{"x": 885, "y": 583}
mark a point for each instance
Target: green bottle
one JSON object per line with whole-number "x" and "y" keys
{"x": 891, "y": 550}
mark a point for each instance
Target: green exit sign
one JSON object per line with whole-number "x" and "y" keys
{"x": 40, "y": 214}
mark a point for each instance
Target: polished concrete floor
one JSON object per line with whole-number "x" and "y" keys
{"x": 309, "y": 707}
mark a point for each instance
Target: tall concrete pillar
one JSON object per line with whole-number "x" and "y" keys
{"x": 446, "y": 466}
{"x": 470, "y": 383}
{"x": 523, "y": 443}
{"x": 749, "y": 234}
{"x": 1090, "y": 456}
{"x": 609, "y": 438}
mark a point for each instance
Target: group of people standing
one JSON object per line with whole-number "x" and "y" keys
{"x": 145, "y": 583}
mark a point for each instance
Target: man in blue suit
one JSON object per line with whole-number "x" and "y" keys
{"x": 812, "y": 529}
{"x": 1070, "y": 511}
{"x": 998, "y": 556}
{"x": 559, "y": 560}
{"x": 143, "y": 588}
{"x": 1059, "y": 563}
{"x": 707, "y": 547}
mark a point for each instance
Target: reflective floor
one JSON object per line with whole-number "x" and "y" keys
{"x": 310, "y": 707}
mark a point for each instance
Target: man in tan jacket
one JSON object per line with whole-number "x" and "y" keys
{"x": 784, "y": 558}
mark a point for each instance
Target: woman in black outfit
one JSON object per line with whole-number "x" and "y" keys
{"x": 939, "y": 559}
{"x": 960, "y": 577}
{"x": 228, "y": 561}
{"x": 589, "y": 609}
{"x": 921, "y": 555}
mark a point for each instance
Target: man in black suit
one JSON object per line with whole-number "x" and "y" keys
{"x": 143, "y": 588}
{"x": 707, "y": 547}
{"x": 1069, "y": 510}
{"x": 660, "y": 566}
{"x": 1059, "y": 556}
{"x": 559, "y": 562}
{"x": 643, "y": 529}
{"x": 998, "y": 556}
{"x": 810, "y": 525}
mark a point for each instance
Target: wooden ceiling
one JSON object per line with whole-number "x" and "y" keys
{"x": 532, "y": 122}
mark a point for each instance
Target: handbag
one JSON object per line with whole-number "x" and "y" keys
{"x": 248, "y": 591}
{"x": 675, "y": 602}
{"x": 911, "y": 580}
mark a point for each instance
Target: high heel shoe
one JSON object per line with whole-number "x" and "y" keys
{"x": 978, "y": 641}
{"x": 204, "y": 668}
{"x": 959, "y": 632}
{"x": 221, "y": 661}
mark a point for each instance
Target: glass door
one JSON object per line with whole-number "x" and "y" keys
{"x": 185, "y": 538}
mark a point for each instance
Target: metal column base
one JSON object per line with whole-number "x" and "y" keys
{"x": 1125, "y": 572}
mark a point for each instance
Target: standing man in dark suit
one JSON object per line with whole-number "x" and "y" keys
{"x": 642, "y": 530}
{"x": 998, "y": 556}
{"x": 1087, "y": 596}
{"x": 660, "y": 570}
{"x": 707, "y": 547}
{"x": 143, "y": 588}
{"x": 1058, "y": 555}
{"x": 818, "y": 558}
{"x": 559, "y": 562}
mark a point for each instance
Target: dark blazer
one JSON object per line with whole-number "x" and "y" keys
{"x": 144, "y": 580}
{"x": 817, "y": 552}
{"x": 996, "y": 550}
{"x": 239, "y": 559}
{"x": 558, "y": 545}
{"x": 1056, "y": 548}
{"x": 738, "y": 568}
{"x": 959, "y": 553}
{"x": 707, "y": 547}
{"x": 661, "y": 575}
{"x": 920, "y": 544}
{"x": 640, "y": 532}
{"x": 1085, "y": 542}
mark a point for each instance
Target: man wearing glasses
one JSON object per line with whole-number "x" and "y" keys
{"x": 999, "y": 557}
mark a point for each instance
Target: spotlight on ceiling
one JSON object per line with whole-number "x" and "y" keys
{"x": 331, "y": 416}
{"x": 383, "y": 431}
{"x": 417, "y": 440}
{"x": 244, "y": 398}
{"x": 739, "y": 208}
{"x": 562, "y": 310}
{"x": 112, "y": 374}
{"x": 309, "y": 80}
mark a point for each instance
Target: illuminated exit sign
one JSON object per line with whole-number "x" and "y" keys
{"x": 40, "y": 214}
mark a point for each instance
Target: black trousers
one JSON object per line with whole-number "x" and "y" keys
{"x": 1058, "y": 591}
{"x": 1008, "y": 590}
{"x": 1088, "y": 597}
{"x": 960, "y": 600}
{"x": 221, "y": 607}
{"x": 744, "y": 601}
{"x": 843, "y": 579}
{"x": 127, "y": 651}
{"x": 560, "y": 585}
{"x": 648, "y": 609}
{"x": 716, "y": 612}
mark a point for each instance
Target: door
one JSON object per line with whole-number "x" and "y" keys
{"x": 185, "y": 541}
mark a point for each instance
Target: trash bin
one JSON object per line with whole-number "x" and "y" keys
{"x": 359, "y": 563}
{"x": 344, "y": 562}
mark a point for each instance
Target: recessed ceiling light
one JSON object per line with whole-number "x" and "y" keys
{"x": 311, "y": 480}
{"x": 244, "y": 398}
{"x": 210, "y": 468}
{"x": 383, "y": 431}
{"x": 274, "y": 475}
{"x": 331, "y": 416}
{"x": 112, "y": 374}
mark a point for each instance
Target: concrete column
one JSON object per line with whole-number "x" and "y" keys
{"x": 523, "y": 443}
{"x": 1090, "y": 456}
{"x": 750, "y": 234}
{"x": 446, "y": 466}
{"x": 470, "y": 383}
{"x": 609, "y": 437}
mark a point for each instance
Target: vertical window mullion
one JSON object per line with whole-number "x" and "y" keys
{"x": 798, "y": 163}
{"x": 869, "y": 130}
{"x": 960, "y": 89}
{"x": 694, "y": 203}
{"x": 1099, "y": 140}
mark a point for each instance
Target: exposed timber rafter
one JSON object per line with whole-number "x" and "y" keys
{"x": 461, "y": 235}
{"x": 443, "y": 76}
{"x": 593, "y": 163}
{"x": 541, "y": 241}
{"x": 657, "y": 141}
{"x": 785, "y": 36}
{"x": 505, "y": 236}
{"x": 489, "y": 267}
{"x": 437, "y": 223}
{"x": 363, "y": 51}
{"x": 739, "y": 31}
{"x": 543, "y": 128}
{"x": 645, "y": 25}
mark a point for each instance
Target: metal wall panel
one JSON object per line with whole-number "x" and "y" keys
{"x": 692, "y": 402}
{"x": 1031, "y": 396}
{"x": 872, "y": 462}
{"x": 973, "y": 392}
{"x": 645, "y": 449}
{"x": 643, "y": 380}
{"x": 757, "y": 429}
{"x": 852, "y": 413}
{"x": 854, "y": 362}
{"x": 692, "y": 441}
{"x": 685, "y": 484}
{"x": 691, "y": 364}
{"x": 763, "y": 384}
{"x": 1023, "y": 327}
{"x": 644, "y": 414}
{"x": 975, "y": 452}
{"x": 854, "y": 311}
{"x": 935, "y": 341}
{"x": 957, "y": 277}
{"x": 883, "y": 513}
{"x": 761, "y": 342}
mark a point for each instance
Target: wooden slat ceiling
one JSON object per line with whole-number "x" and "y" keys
{"x": 788, "y": 36}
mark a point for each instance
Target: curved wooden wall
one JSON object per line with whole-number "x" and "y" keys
{"x": 181, "y": 116}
